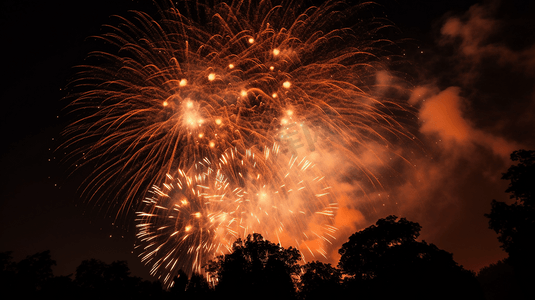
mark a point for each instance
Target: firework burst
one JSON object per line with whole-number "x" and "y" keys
{"x": 290, "y": 204}
{"x": 185, "y": 222}
{"x": 165, "y": 94}
{"x": 190, "y": 219}
{"x": 203, "y": 89}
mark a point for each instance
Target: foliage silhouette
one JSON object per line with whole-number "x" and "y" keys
{"x": 515, "y": 223}
{"x": 320, "y": 281}
{"x": 522, "y": 177}
{"x": 382, "y": 261}
{"x": 385, "y": 260}
{"x": 198, "y": 287}
{"x": 195, "y": 287}
{"x": 7, "y": 271}
{"x": 180, "y": 282}
{"x": 32, "y": 277}
{"x": 60, "y": 287}
{"x": 256, "y": 265}
{"x": 32, "y": 273}
{"x": 361, "y": 256}
{"x": 94, "y": 278}
{"x": 498, "y": 281}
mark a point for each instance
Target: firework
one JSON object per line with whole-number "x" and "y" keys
{"x": 290, "y": 204}
{"x": 185, "y": 222}
{"x": 203, "y": 89}
{"x": 190, "y": 219}
{"x": 166, "y": 93}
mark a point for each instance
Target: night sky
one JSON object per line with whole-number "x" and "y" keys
{"x": 473, "y": 85}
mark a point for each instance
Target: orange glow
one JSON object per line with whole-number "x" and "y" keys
{"x": 443, "y": 115}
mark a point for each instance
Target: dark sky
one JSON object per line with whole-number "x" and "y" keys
{"x": 473, "y": 86}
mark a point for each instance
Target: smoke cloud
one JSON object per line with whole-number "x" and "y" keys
{"x": 475, "y": 105}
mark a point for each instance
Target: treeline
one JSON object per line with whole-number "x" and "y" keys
{"x": 383, "y": 261}
{"x": 32, "y": 278}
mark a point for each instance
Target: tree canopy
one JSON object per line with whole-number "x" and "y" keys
{"x": 385, "y": 260}
{"x": 256, "y": 265}
{"x": 319, "y": 281}
{"x": 522, "y": 177}
{"x": 515, "y": 223}
{"x": 361, "y": 255}
{"x": 382, "y": 261}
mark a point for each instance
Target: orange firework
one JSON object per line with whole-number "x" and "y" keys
{"x": 184, "y": 222}
{"x": 203, "y": 89}
{"x": 207, "y": 77}
{"x": 285, "y": 198}
{"x": 192, "y": 218}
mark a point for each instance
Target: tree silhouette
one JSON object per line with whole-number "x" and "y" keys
{"x": 198, "y": 287}
{"x": 256, "y": 268}
{"x": 90, "y": 275}
{"x": 60, "y": 287}
{"x": 7, "y": 272}
{"x": 33, "y": 272}
{"x": 319, "y": 281}
{"x": 385, "y": 260}
{"x": 95, "y": 278}
{"x": 195, "y": 287}
{"x": 6, "y": 262}
{"x": 180, "y": 282}
{"x": 32, "y": 278}
{"x": 515, "y": 223}
{"x": 362, "y": 255}
{"x": 498, "y": 281}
